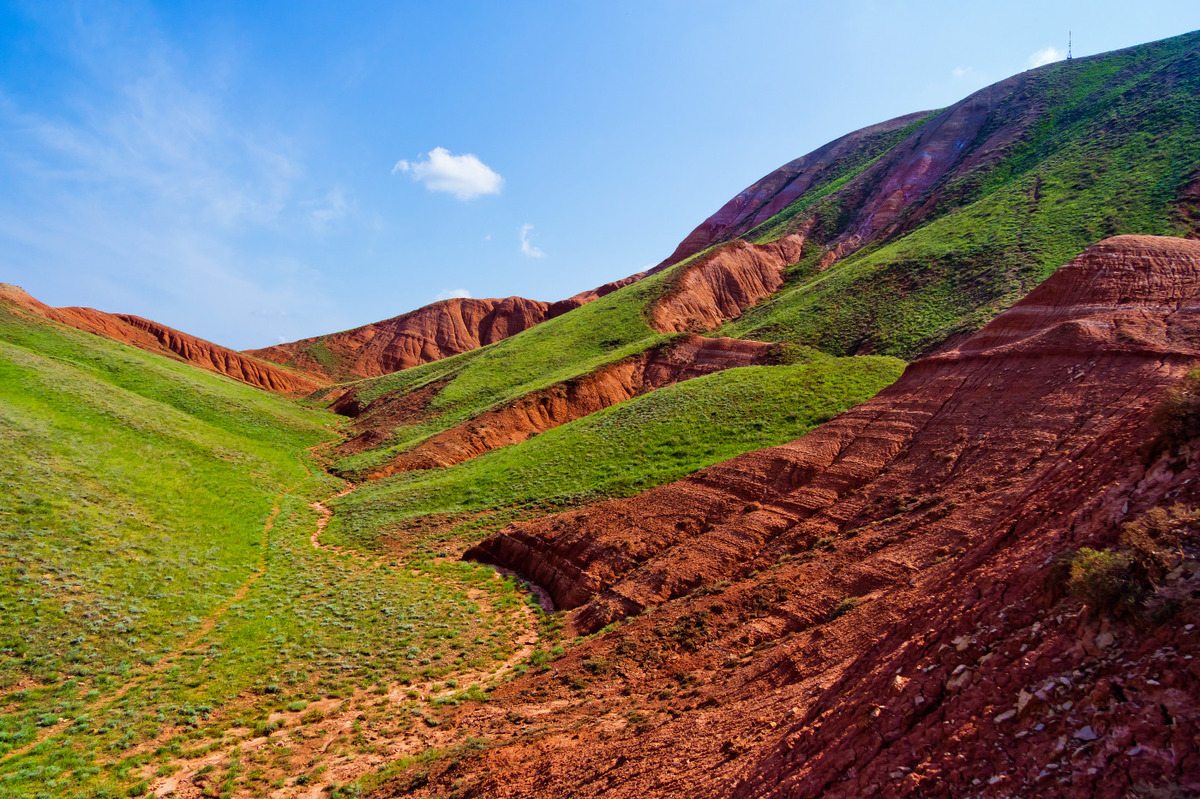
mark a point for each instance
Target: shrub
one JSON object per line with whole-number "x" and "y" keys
{"x": 1108, "y": 581}
{"x": 845, "y": 606}
{"x": 1178, "y": 415}
{"x": 1154, "y": 539}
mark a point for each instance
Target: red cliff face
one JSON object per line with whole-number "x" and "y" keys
{"x": 721, "y": 285}
{"x": 867, "y": 609}
{"x": 163, "y": 340}
{"x": 427, "y": 334}
{"x": 1123, "y": 312}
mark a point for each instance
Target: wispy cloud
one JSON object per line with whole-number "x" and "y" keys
{"x": 1047, "y": 55}
{"x": 464, "y": 176}
{"x": 961, "y": 72}
{"x": 333, "y": 209}
{"x": 527, "y": 247}
{"x": 450, "y": 294}
{"x": 144, "y": 189}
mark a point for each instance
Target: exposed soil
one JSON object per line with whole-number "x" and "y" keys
{"x": 872, "y": 609}
{"x": 163, "y": 340}
{"x": 430, "y": 333}
{"x": 775, "y": 192}
{"x": 723, "y": 284}
{"x": 513, "y": 422}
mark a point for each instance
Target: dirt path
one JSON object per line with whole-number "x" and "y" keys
{"x": 339, "y": 715}
{"x": 323, "y": 522}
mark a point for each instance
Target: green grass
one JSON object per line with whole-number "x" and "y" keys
{"x": 1113, "y": 139}
{"x": 140, "y": 492}
{"x": 567, "y": 346}
{"x": 644, "y": 442}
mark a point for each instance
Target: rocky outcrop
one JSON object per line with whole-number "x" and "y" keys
{"x": 514, "y": 422}
{"x": 430, "y": 333}
{"x": 163, "y": 340}
{"x": 871, "y": 609}
{"x": 719, "y": 286}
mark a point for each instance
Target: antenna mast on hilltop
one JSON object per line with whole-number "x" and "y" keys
{"x": 1068, "y": 45}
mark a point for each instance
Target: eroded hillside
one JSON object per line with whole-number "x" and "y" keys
{"x": 881, "y": 602}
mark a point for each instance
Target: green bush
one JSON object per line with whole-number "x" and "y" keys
{"x": 1178, "y": 415}
{"x": 1108, "y": 581}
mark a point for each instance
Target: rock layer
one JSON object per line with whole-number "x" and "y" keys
{"x": 163, "y": 340}
{"x": 514, "y": 422}
{"x": 1120, "y": 318}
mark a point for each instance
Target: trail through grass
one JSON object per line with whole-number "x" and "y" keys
{"x": 161, "y": 596}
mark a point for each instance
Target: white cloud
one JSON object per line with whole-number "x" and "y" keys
{"x": 1047, "y": 55}
{"x": 464, "y": 176}
{"x": 450, "y": 294}
{"x": 527, "y": 247}
{"x": 961, "y": 72}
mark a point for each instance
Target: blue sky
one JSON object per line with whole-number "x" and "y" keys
{"x": 259, "y": 172}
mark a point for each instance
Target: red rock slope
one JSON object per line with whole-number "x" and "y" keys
{"x": 870, "y": 610}
{"x": 163, "y": 340}
{"x": 427, "y": 334}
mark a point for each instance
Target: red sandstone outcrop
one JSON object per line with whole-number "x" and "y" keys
{"x": 430, "y": 333}
{"x": 704, "y": 294}
{"x": 865, "y": 611}
{"x": 514, "y": 422}
{"x": 163, "y": 340}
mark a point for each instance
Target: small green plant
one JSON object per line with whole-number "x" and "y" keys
{"x": 845, "y": 606}
{"x": 1107, "y": 581}
{"x": 1178, "y": 414}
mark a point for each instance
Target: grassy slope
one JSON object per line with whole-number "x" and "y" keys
{"x": 1116, "y": 137}
{"x": 629, "y": 447}
{"x": 567, "y": 346}
{"x": 141, "y": 489}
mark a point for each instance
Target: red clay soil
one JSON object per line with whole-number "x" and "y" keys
{"x": 872, "y": 609}
{"x": 430, "y": 333}
{"x": 514, "y": 422}
{"x": 724, "y": 283}
{"x": 163, "y": 340}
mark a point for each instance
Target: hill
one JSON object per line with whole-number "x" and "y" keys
{"x": 158, "y": 338}
{"x": 163, "y": 594}
{"x": 899, "y": 239}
